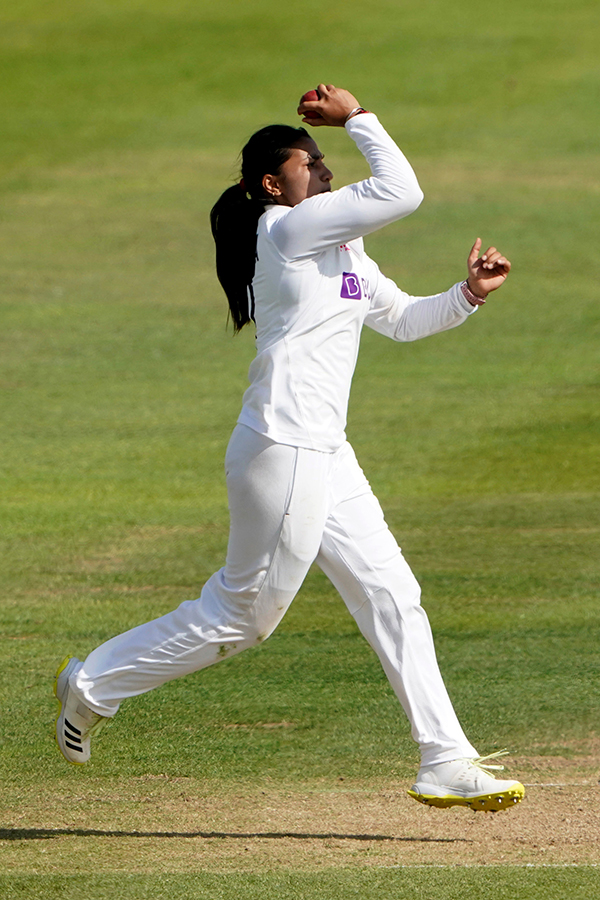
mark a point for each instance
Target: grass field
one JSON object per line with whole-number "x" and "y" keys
{"x": 281, "y": 772}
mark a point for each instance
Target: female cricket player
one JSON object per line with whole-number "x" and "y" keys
{"x": 290, "y": 258}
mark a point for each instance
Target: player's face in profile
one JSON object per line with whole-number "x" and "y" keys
{"x": 303, "y": 175}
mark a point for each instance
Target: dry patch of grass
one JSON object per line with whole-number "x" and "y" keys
{"x": 157, "y": 824}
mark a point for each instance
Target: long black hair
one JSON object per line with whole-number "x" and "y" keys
{"x": 234, "y": 217}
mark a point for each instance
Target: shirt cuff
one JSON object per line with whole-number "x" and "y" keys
{"x": 360, "y": 116}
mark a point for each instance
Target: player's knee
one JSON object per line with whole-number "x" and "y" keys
{"x": 404, "y": 597}
{"x": 260, "y": 631}
{"x": 266, "y": 618}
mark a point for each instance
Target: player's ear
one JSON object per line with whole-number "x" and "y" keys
{"x": 271, "y": 186}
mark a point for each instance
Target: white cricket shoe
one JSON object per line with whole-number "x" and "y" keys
{"x": 465, "y": 782}
{"x": 76, "y": 722}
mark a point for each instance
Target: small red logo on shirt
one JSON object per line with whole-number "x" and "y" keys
{"x": 344, "y": 247}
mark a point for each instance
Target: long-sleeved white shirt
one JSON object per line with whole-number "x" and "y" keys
{"x": 314, "y": 287}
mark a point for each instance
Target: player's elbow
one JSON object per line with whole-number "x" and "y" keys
{"x": 405, "y": 199}
{"x": 414, "y": 197}
{"x": 402, "y": 336}
{"x": 407, "y": 330}
{"x": 418, "y": 198}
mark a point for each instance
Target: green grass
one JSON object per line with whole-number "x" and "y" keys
{"x": 119, "y": 386}
{"x": 426, "y": 884}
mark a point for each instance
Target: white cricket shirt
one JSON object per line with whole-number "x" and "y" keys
{"x": 314, "y": 287}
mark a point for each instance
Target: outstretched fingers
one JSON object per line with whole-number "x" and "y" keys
{"x": 491, "y": 259}
{"x": 487, "y": 272}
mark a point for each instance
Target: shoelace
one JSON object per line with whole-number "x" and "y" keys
{"x": 97, "y": 727}
{"x": 480, "y": 762}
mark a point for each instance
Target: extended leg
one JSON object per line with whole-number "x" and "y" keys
{"x": 362, "y": 559}
{"x": 277, "y": 506}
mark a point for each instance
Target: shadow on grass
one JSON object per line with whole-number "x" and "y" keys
{"x": 44, "y": 834}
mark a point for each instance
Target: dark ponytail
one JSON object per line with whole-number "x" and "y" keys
{"x": 234, "y": 217}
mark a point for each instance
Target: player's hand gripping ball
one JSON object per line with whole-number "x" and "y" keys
{"x": 310, "y": 96}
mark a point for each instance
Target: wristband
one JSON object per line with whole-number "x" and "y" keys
{"x": 355, "y": 112}
{"x": 468, "y": 294}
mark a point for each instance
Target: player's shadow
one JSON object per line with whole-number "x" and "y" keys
{"x": 45, "y": 834}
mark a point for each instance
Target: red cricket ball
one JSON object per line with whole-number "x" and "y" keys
{"x": 310, "y": 95}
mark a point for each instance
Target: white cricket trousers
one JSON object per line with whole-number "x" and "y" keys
{"x": 290, "y": 507}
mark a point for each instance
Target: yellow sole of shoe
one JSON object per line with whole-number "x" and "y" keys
{"x": 59, "y": 671}
{"x": 483, "y": 803}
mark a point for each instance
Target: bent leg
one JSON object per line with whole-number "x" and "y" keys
{"x": 362, "y": 559}
{"x": 277, "y": 509}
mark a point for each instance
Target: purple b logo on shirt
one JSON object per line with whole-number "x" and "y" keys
{"x": 350, "y": 286}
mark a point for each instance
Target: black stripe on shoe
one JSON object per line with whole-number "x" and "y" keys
{"x": 72, "y": 727}
{"x": 73, "y": 747}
